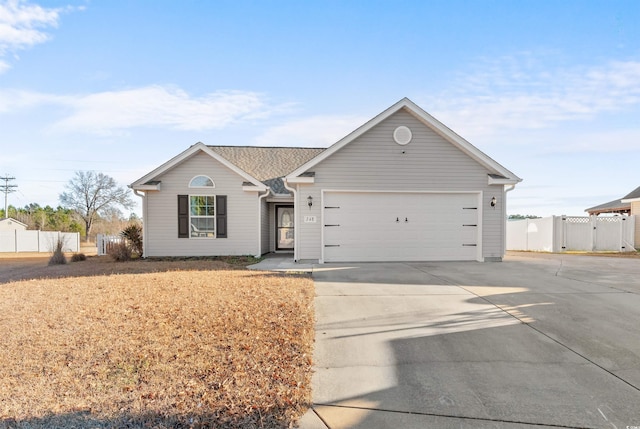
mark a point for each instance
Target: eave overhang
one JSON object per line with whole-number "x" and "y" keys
{"x": 501, "y": 180}
{"x": 148, "y": 186}
{"x": 250, "y": 187}
{"x": 300, "y": 180}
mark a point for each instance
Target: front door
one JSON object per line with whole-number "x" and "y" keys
{"x": 284, "y": 227}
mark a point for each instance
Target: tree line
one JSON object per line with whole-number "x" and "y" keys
{"x": 90, "y": 204}
{"x": 45, "y": 218}
{"x": 63, "y": 219}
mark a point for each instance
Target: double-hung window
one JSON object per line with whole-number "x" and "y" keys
{"x": 202, "y": 219}
{"x": 202, "y": 216}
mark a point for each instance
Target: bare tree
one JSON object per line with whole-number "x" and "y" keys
{"x": 93, "y": 194}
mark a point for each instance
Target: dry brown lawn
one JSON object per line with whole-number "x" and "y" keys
{"x": 158, "y": 344}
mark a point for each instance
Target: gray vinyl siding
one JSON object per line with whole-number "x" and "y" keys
{"x": 160, "y": 217}
{"x": 374, "y": 161}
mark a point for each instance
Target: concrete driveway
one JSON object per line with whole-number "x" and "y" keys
{"x": 534, "y": 341}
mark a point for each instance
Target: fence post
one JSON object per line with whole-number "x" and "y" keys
{"x": 594, "y": 232}
{"x": 564, "y": 233}
{"x": 554, "y": 233}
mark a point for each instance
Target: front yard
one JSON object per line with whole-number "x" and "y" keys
{"x": 153, "y": 344}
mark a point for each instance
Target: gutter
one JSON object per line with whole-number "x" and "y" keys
{"x": 144, "y": 223}
{"x": 507, "y": 188}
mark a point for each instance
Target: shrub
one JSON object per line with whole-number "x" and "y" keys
{"x": 133, "y": 235}
{"x": 58, "y": 258}
{"x": 120, "y": 252}
{"x": 77, "y": 257}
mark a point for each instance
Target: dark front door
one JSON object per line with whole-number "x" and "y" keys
{"x": 284, "y": 227}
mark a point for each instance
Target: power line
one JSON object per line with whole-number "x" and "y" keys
{"x": 7, "y": 189}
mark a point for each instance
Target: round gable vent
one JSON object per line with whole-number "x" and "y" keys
{"x": 402, "y": 135}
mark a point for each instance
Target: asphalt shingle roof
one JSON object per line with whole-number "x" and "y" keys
{"x": 268, "y": 164}
{"x": 615, "y": 205}
{"x": 633, "y": 194}
{"x": 611, "y": 206}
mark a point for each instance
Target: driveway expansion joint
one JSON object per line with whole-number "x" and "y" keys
{"x": 450, "y": 416}
{"x": 555, "y": 340}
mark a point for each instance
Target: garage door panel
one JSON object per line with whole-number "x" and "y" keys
{"x": 400, "y": 226}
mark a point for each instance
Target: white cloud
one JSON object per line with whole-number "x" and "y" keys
{"x": 112, "y": 112}
{"x": 315, "y": 131}
{"x": 158, "y": 106}
{"x": 23, "y": 25}
{"x": 523, "y": 92}
{"x": 12, "y": 100}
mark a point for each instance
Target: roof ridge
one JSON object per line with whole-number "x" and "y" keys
{"x": 266, "y": 147}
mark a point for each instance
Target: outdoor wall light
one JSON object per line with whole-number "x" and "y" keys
{"x": 309, "y": 201}
{"x": 493, "y": 202}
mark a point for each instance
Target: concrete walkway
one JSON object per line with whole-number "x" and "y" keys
{"x": 535, "y": 341}
{"x": 281, "y": 262}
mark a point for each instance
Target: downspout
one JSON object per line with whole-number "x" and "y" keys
{"x": 144, "y": 223}
{"x": 295, "y": 217}
{"x": 260, "y": 198}
{"x": 507, "y": 188}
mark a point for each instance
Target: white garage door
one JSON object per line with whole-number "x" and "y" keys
{"x": 366, "y": 226}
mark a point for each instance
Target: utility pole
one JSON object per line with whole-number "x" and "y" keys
{"x": 7, "y": 189}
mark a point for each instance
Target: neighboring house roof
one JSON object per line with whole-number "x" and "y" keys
{"x": 615, "y": 206}
{"x": 494, "y": 167}
{"x": 622, "y": 205}
{"x": 10, "y": 220}
{"x": 632, "y": 196}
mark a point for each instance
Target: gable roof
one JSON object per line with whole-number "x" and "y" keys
{"x": 432, "y": 123}
{"x": 620, "y": 205}
{"x": 259, "y": 166}
{"x": 614, "y": 206}
{"x": 147, "y": 181}
{"x": 632, "y": 196}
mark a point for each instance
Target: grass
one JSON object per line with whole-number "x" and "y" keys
{"x": 195, "y": 343}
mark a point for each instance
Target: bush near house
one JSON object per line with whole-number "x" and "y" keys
{"x": 133, "y": 236}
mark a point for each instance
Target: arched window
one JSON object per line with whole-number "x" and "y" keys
{"x": 202, "y": 182}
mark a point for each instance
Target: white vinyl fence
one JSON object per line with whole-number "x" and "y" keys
{"x": 104, "y": 242}
{"x": 38, "y": 241}
{"x": 565, "y": 233}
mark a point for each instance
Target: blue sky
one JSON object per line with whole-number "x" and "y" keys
{"x": 550, "y": 89}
